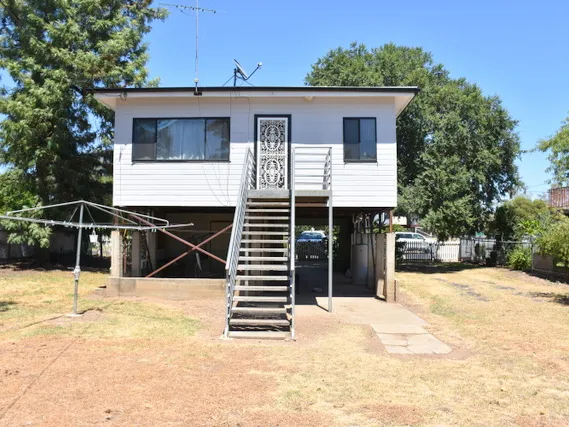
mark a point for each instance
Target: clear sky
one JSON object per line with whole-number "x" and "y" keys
{"x": 516, "y": 49}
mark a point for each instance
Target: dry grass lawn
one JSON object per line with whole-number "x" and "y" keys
{"x": 135, "y": 361}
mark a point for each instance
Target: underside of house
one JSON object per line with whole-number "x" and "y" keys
{"x": 270, "y": 163}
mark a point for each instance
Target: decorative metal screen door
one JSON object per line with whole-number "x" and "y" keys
{"x": 272, "y": 153}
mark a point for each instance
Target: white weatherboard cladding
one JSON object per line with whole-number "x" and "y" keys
{"x": 215, "y": 184}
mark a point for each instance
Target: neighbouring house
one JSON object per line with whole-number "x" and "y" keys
{"x": 245, "y": 165}
{"x": 559, "y": 198}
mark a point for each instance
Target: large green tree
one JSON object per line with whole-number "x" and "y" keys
{"x": 54, "y": 136}
{"x": 456, "y": 146}
{"x": 557, "y": 148}
{"x": 513, "y": 217}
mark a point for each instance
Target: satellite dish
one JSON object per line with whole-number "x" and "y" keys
{"x": 240, "y": 70}
{"x": 240, "y": 73}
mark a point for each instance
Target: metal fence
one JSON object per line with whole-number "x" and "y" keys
{"x": 470, "y": 249}
{"x": 427, "y": 252}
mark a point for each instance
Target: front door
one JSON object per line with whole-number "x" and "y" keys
{"x": 272, "y": 152}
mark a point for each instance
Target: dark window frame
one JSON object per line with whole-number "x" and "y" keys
{"x": 156, "y": 119}
{"x": 359, "y": 142}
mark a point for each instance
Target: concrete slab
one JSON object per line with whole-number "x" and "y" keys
{"x": 398, "y": 328}
{"x": 420, "y": 349}
{"x": 392, "y": 337}
{"x": 368, "y": 310}
{"x": 387, "y": 342}
{"x": 396, "y": 349}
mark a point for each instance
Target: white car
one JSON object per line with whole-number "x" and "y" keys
{"x": 410, "y": 241}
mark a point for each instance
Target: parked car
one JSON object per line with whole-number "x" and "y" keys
{"x": 314, "y": 236}
{"x": 409, "y": 241}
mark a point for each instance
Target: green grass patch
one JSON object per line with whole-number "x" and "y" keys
{"x": 441, "y": 307}
{"x": 28, "y": 297}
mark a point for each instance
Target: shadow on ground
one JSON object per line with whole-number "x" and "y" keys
{"x": 439, "y": 268}
{"x": 86, "y": 265}
{"x": 5, "y": 305}
{"x": 562, "y": 299}
{"x": 312, "y": 283}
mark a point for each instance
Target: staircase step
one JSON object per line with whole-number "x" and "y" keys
{"x": 266, "y": 233}
{"x": 241, "y": 298}
{"x": 267, "y": 250}
{"x": 263, "y": 241}
{"x": 259, "y": 310}
{"x": 266, "y": 210}
{"x": 259, "y": 334}
{"x": 268, "y": 203}
{"x": 263, "y": 258}
{"x": 265, "y": 278}
{"x": 262, "y": 288}
{"x": 268, "y": 218}
{"x": 248, "y": 224}
{"x": 278, "y": 322}
{"x": 276, "y": 267}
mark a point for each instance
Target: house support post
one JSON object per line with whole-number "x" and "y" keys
{"x": 389, "y": 281}
{"x": 116, "y": 254}
{"x": 330, "y": 251}
{"x": 135, "y": 253}
{"x": 380, "y": 262}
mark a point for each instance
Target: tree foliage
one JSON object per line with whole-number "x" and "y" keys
{"x": 519, "y": 217}
{"x": 14, "y": 197}
{"x": 55, "y": 137}
{"x": 555, "y": 240}
{"x": 558, "y": 148}
{"x": 456, "y": 146}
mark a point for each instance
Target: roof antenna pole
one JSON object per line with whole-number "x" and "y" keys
{"x": 196, "y": 78}
{"x": 197, "y": 9}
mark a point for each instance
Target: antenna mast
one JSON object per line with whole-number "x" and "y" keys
{"x": 197, "y": 9}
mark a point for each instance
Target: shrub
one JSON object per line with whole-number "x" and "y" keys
{"x": 520, "y": 259}
{"x": 480, "y": 252}
{"x": 555, "y": 241}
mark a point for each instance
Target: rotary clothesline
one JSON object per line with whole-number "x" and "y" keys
{"x": 82, "y": 205}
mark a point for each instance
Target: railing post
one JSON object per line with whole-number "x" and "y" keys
{"x": 330, "y": 235}
{"x": 292, "y": 243}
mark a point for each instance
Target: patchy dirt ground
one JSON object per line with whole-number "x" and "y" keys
{"x": 134, "y": 361}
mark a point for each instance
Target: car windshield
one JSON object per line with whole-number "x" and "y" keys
{"x": 311, "y": 236}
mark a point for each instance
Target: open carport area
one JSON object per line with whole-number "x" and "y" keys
{"x": 150, "y": 361}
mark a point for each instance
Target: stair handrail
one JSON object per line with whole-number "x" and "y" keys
{"x": 292, "y": 243}
{"x": 247, "y": 183}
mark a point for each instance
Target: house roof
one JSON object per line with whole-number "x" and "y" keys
{"x": 402, "y": 94}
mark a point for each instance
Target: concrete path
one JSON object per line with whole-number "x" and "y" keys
{"x": 398, "y": 329}
{"x": 409, "y": 339}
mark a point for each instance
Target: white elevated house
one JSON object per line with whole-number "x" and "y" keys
{"x": 247, "y": 164}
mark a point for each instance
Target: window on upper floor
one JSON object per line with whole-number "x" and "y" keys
{"x": 360, "y": 140}
{"x": 180, "y": 139}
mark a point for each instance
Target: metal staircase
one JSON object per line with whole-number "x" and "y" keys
{"x": 262, "y": 305}
{"x": 259, "y": 285}
{"x": 260, "y": 267}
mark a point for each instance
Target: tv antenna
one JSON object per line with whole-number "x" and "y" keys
{"x": 197, "y": 9}
{"x": 240, "y": 73}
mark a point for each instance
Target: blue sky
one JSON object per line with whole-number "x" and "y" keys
{"x": 514, "y": 49}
